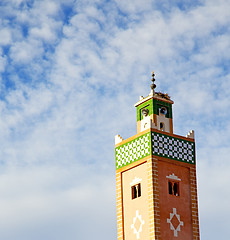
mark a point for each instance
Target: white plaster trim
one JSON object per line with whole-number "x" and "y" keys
{"x": 146, "y": 123}
{"x": 118, "y": 139}
{"x": 177, "y": 229}
{"x": 173, "y": 177}
{"x": 140, "y": 98}
{"x": 135, "y": 231}
{"x": 151, "y": 95}
{"x": 143, "y": 100}
{"x": 191, "y": 134}
{"x": 135, "y": 181}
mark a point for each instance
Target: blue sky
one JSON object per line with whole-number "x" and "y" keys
{"x": 70, "y": 73}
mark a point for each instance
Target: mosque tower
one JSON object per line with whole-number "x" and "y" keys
{"x": 156, "y": 176}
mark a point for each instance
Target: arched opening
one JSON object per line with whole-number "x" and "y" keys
{"x": 136, "y": 191}
{"x": 162, "y": 126}
{"x": 173, "y": 188}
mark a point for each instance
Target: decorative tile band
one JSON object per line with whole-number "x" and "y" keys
{"x": 161, "y": 144}
{"x": 174, "y": 148}
{"x": 132, "y": 151}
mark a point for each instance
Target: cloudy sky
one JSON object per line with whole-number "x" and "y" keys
{"x": 70, "y": 73}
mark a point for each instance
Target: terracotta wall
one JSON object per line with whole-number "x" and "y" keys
{"x": 178, "y": 206}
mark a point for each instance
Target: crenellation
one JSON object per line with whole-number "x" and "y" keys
{"x": 118, "y": 139}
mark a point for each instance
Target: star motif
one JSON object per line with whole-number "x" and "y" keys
{"x": 137, "y": 219}
{"x": 175, "y": 222}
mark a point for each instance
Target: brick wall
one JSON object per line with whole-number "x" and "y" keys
{"x": 120, "y": 234}
{"x": 194, "y": 201}
{"x": 153, "y": 198}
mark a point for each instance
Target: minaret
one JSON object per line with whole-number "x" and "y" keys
{"x": 156, "y": 176}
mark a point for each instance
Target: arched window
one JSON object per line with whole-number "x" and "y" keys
{"x": 162, "y": 126}
{"x": 173, "y": 188}
{"x": 136, "y": 191}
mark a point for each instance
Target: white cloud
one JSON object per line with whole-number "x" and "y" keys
{"x": 135, "y": 6}
{"x": 39, "y": 202}
{"x": 45, "y": 32}
{"x": 3, "y": 62}
{"x": 24, "y": 52}
{"x": 5, "y": 36}
{"x": 49, "y": 8}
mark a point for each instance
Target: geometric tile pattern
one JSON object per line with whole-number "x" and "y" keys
{"x": 174, "y": 217}
{"x": 132, "y": 151}
{"x": 141, "y": 223}
{"x": 174, "y": 148}
{"x": 162, "y": 145}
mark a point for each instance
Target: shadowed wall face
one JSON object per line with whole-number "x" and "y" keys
{"x": 175, "y": 203}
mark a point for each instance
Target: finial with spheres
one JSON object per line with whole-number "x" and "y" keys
{"x": 153, "y": 86}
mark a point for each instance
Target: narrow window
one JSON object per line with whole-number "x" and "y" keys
{"x": 173, "y": 188}
{"x": 176, "y": 189}
{"x": 139, "y": 190}
{"x": 170, "y": 188}
{"x": 162, "y": 127}
{"x": 136, "y": 191}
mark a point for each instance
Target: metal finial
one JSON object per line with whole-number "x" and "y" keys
{"x": 153, "y": 86}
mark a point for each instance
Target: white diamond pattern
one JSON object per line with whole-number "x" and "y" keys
{"x": 180, "y": 223}
{"x": 142, "y": 222}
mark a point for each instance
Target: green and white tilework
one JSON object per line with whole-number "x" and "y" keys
{"x": 157, "y": 144}
{"x": 132, "y": 151}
